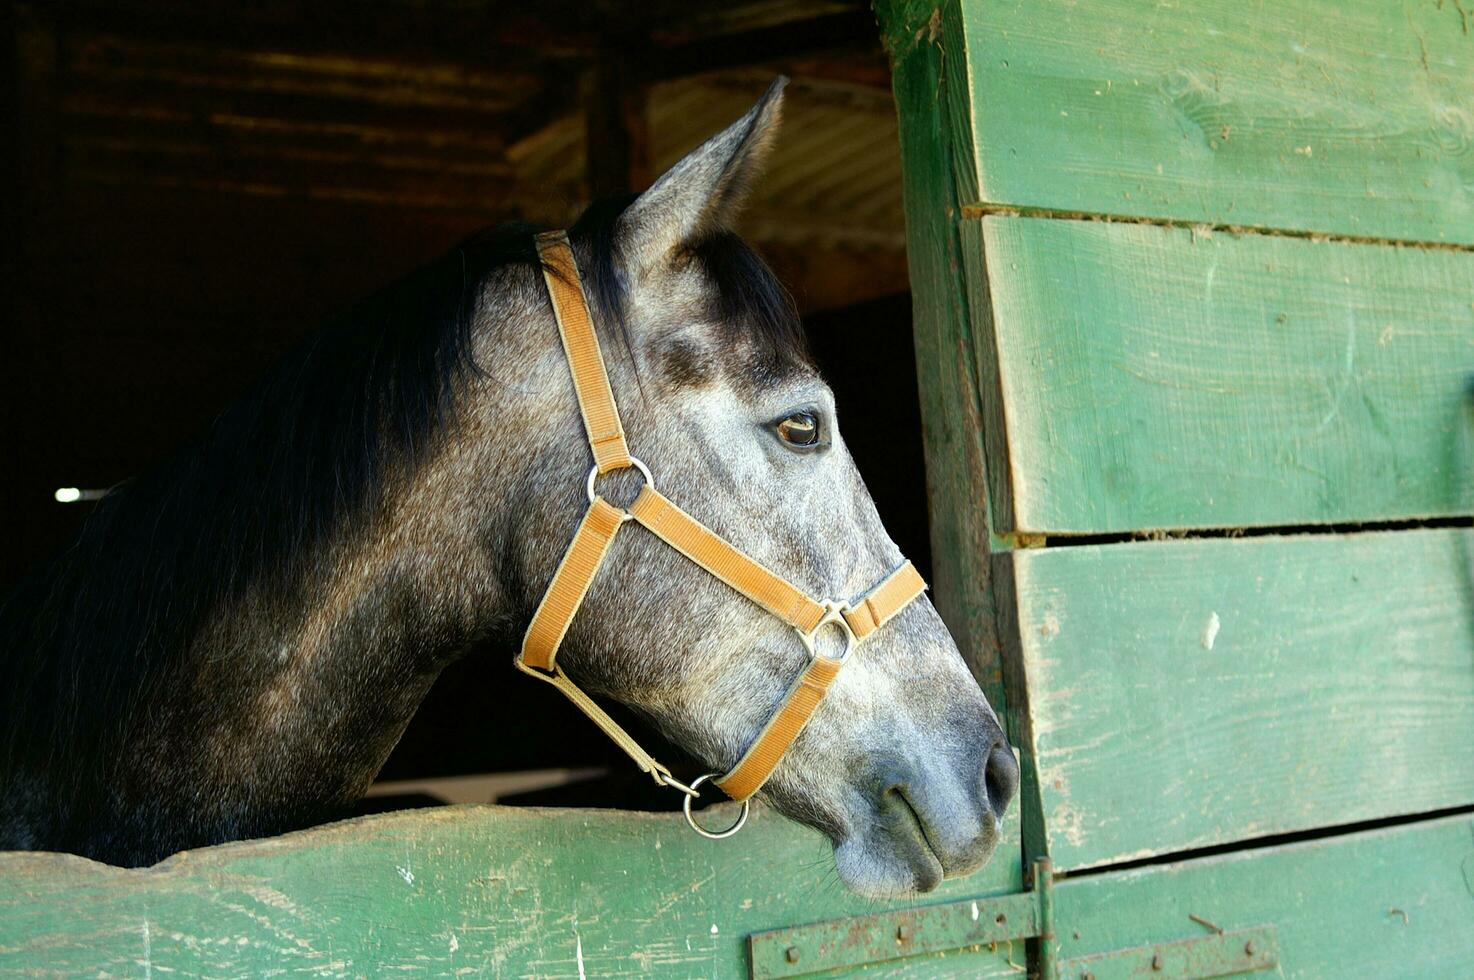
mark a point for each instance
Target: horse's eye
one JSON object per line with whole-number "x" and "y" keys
{"x": 800, "y": 430}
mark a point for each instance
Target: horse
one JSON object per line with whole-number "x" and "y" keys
{"x": 239, "y": 635}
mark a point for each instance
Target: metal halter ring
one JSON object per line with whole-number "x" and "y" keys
{"x": 644, "y": 471}
{"x": 713, "y": 834}
{"x": 833, "y": 613}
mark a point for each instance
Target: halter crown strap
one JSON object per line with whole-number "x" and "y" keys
{"x": 585, "y": 359}
{"x": 657, "y": 513}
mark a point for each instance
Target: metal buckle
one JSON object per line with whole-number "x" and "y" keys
{"x": 644, "y": 471}
{"x": 834, "y": 611}
{"x": 712, "y": 834}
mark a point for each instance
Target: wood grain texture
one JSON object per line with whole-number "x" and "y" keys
{"x": 1397, "y": 902}
{"x": 947, "y": 379}
{"x": 1312, "y": 115}
{"x": 1192, "y": 693}
{"x": 998, "y": 451}
{"x": 484, "y": 891}
{"x": 1153, "y": 378}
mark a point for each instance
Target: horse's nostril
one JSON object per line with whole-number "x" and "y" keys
{"x": 899, "y": 794}
{"x": 1000, "y": 778}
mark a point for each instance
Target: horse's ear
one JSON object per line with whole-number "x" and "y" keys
{"x": 705, "y": 190}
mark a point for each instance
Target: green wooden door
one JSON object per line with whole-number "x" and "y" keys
{"x": 1195, "y": 309}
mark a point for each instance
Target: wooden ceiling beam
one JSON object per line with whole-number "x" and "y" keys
{"x": 490, "y": 39}
{"x": 493, "y": 40}
{"x": 312, "y": 174}
{"x": 847, "y": 30}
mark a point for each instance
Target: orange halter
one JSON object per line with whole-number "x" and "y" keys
{"x": 691, "y": 538}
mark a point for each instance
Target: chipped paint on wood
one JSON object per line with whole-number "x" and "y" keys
{"x": 1348, "y": 656}
{"x": 1225, "y": 112}
{"x": 1333, "y": 904}
{"x": 479, "y": 890}
{"x": 1152, "y": 382}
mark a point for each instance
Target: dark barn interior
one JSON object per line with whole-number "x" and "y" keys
{"x": 196, "y": 185}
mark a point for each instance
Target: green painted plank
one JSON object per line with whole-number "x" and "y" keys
{"x": 942, "y": 331}
{"x": 492, "y": 891}
{"x": 1314, "y": 115}
{"x": 1150, "y": 378}
{"x": 1190, "y": 693}
{"x": 1397, "y": 902}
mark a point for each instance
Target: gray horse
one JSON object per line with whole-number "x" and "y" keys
{"x": 240, "y": 635}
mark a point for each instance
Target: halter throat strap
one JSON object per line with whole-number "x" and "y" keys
{"x": 663, "y": 518}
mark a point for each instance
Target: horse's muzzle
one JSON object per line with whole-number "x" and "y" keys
{"x": 943, "y": 826}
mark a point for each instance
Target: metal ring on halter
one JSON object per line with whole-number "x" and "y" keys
{"x": 713, "y": 834}
{"x": 833, "y": 614}
{"x": 644, "y": 471}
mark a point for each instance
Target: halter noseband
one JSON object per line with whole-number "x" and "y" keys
{"x": 690, "y": 537}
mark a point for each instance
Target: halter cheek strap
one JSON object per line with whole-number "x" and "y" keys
{"x": 659, "y": 515}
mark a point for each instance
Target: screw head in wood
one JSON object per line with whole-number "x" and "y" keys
{"x": 904, "y": 934}
{"x": 1249, "y": 948}
{"x": 1156, "y": 961}
{"x": 791, "y": 954}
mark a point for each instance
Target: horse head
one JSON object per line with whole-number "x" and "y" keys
{"x": 904, "y": 766}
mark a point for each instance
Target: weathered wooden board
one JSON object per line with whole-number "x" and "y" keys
{"x": 1397, "y": 902}
{"x": 1191, "y": 693}
{"x": 946, "y": 370}
{"x": 1154, "y": 378}
{"x": 487, "y": 891}
{"x": 1314, "y": 115}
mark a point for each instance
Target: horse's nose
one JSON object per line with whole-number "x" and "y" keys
{"x": 1000, "y": 778}
{"x": 954, "y": 815}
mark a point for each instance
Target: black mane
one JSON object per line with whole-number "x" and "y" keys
{"x": 85, "y": 636}
{"x": 86, "y": 639}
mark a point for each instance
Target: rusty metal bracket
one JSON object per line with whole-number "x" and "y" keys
{"x": 972, "y": 924}
{"x": 969, "y": 924}
{"x": 1225, "y": 954}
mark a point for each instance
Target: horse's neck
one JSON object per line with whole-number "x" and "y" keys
{"x": 299, "y": 691}
{"x": 321, "y": 677}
